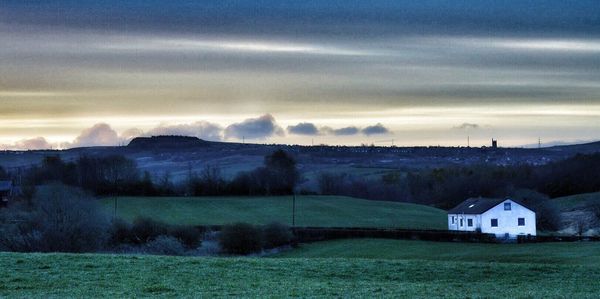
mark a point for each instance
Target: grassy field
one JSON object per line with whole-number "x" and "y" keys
{"x": 310, "y": 211}
{"x": 576, "y": 202}
{"x": 550, "y": 253}
{"x": 464, "y": 270}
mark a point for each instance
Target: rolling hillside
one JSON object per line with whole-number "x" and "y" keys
{"x": 576, "y": 211}
{"x": 576, "y": 202}
{"x": 310, "y": 211}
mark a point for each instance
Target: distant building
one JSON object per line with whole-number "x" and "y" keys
{"x": 494, "y": 143}
{"x": 503, "y": 217}
{"x": 6, "y": 192}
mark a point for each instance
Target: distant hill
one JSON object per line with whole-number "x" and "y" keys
{"x": 166, "y": 142}
{"x": 177, "y": 155}
{"x": 580, "y": 148}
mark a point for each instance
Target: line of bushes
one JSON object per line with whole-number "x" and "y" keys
{"x": 244, "y": 238}
{"x": 314, "y": 234}
{"x": 146, "y": 231}
{"x": 60, "y": 218}
{"x": 65, "y": 219}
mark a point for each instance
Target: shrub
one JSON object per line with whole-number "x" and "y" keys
{"x": 190, "y": 236}
{"x": 547, "y": 214}
{"x": 59, "y": 219}
{"x": 240, "y": 238}
{"x": 276, "y": 235}
{"x": 165, "y": 245}
{"x": 146, "y": 229}
{"x": 120, "y": 232}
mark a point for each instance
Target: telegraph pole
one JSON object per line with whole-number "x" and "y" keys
{"x": 294, "y": 209}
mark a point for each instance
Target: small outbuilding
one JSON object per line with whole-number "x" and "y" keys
{"x": 505, "y": 218}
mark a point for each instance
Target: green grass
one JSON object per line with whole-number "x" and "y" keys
{"x": 114, "y": 276}
{"x": 550, "y": 253}
{"x": 576, "y": 202}
{"x": 310, "y": 211}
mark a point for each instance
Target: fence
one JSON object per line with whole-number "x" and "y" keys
{"x": 316, "y": 234}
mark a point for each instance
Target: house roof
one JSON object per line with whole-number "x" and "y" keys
{"x": 476, "y": 205}
{"x": 5, "y": 185}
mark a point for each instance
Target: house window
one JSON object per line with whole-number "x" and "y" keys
{"x": 521, "y": 221}
{"x": 453, "y": 220}
{"x": 461, "y": 222}
{"x": 507, "y": 206}
{"x": 469, "y": 222}
{"x": 494, "y": 223}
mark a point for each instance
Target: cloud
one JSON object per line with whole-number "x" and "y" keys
{"x": 375, "y": 130}
{"x": 303, "y": 129}
{"x": 465, "y": 126}
{"x": 98, "y": 135}
{"x": 201, "y": 129}
{"x": 347, "y": 131}
{"x": 254, "y": 128}
{"x": 33, "y": 144}
{"x": 37, "y": 143}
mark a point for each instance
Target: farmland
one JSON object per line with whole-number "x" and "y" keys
{"x": 404, "y": 269}
{"x": 554, "y": 253}
{"x": 576, "y": 202}
{"x": 330, "y": 211}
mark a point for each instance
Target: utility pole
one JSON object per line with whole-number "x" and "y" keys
{"x": 115, "y": 206}
{"x": 468, "y": 141}
{"x": 294, "y": 209}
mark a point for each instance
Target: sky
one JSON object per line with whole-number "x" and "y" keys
{"x": 84, "y": 73}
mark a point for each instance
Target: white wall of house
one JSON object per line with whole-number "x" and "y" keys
{"x": 506, "y": 221}
{"x": 462, "y": 221}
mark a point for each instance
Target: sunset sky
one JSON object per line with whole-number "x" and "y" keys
{"x": 79, "y": 73}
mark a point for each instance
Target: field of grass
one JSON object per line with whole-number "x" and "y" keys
{"x": 576, "y": 202}
{"x": 405, "y": 269}
{"x": 310, "y": 211}
{"x": 550, "y": 253}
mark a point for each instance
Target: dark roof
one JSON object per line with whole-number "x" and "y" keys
{"x": 476, "y": 205}
{"x": 5, "y": 185}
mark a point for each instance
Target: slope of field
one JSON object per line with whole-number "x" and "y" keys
{"x": 114, "y": 276}
{"x": 551, "y": 253}
{"x": 310, "y": 211}
{"x": 576, "y": 202}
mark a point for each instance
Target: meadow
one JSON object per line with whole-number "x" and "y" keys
{"x": 577, "y": 201}
{"x": 581, "y": 253}
{"x": 330, "y": 211}
{"x": 345, "y": 268}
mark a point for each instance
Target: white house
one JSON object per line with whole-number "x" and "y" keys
{"x": 503, "y": 217}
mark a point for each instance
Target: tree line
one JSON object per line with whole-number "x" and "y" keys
{"x": 118, "y": 175}
{"x": 445, "y": 187}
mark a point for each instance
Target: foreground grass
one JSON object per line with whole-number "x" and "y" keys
{"x": 576, "y": 253}
{"x": 310, "y": 211}
{"x": 85, "y": 276}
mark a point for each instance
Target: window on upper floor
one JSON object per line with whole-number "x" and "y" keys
{"x": 494, "y": 222}
{"x": 521, "y": 221}
{"x": 507, "y": 206}
{"x": 469, "y": 222}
